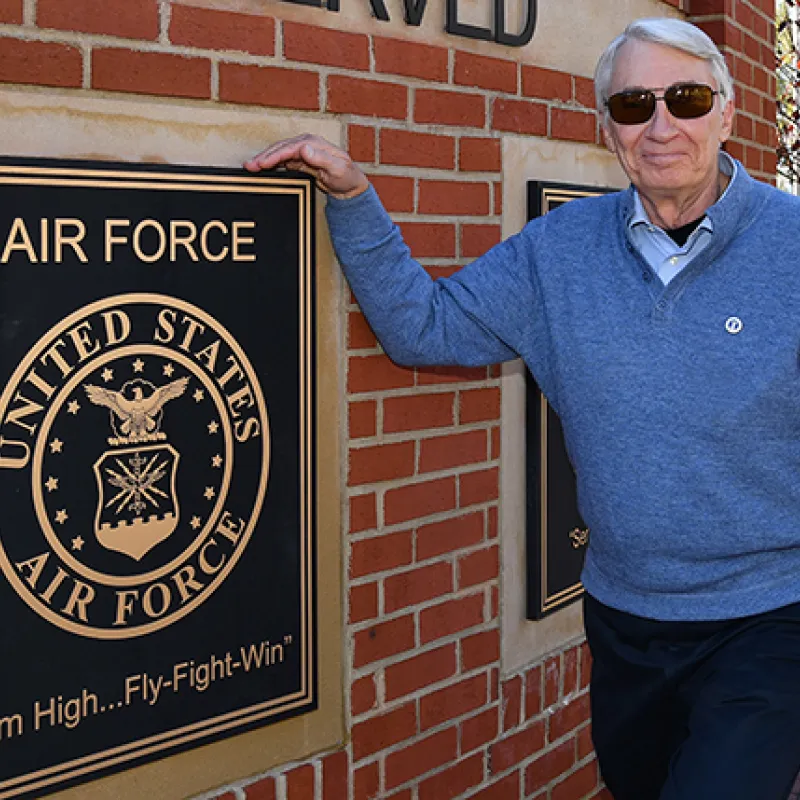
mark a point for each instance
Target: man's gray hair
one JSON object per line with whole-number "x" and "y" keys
{"x": 672, "y": 33}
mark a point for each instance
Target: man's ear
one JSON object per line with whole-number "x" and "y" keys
{"x": 608, "y": 137}
{"x": 727, "y": 121}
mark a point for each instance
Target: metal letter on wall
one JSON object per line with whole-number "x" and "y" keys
{"x": 157, "y": 462}
{"x": 556, "y": 536}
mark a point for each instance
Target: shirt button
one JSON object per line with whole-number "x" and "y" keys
{"x": 673, "y": 260}
{"x": 661, "y": 305}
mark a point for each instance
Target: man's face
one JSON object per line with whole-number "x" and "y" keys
{"x": 666, "y": 154}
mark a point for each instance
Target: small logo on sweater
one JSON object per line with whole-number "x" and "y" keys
{"x": 733, "y": 325}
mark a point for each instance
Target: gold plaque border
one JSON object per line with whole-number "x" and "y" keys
{"x": 187, "y": 181}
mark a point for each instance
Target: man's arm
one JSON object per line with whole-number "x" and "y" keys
{"x": 479, "y": 316}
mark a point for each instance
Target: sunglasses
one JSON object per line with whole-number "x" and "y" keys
{"x": 684, "y": 101}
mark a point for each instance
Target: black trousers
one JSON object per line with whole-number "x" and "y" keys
{"x": 695, "y": 710}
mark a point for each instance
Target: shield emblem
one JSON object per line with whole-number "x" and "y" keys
{"x": 137, "y": 506}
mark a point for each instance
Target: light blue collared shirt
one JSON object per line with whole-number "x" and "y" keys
{"x": 665, "y": 257}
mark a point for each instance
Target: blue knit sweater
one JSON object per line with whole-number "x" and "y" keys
{"x": 684, "y": 434}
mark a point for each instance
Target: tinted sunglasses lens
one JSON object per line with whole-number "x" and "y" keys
{"x": 688, "y": 101}
{"x": 631, "y": 108}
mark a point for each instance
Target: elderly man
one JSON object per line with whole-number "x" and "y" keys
{"x": 662, "y": 324}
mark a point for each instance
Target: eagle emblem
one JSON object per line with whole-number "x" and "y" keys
{"x": 136, "y": 418}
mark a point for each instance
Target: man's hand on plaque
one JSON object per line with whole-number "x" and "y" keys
{"x": 332, "y": 168}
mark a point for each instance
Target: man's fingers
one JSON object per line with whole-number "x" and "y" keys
{"x": 332, "y": 167}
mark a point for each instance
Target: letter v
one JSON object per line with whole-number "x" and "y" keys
{"x": 414, "y": 11}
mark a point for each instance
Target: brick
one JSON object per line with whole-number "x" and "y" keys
{"x": 449, "y": 108}
{"x": 478, "y": 405}
{"x": 479, "y": 567}
{"x": 511, "y": 693}
{"x": 11, "y": 12}
{"x": 269, "y": 86}
{"x": 450, "y": 617}
{"x": 419, "y": 500}
{"x": 380, "y": 553}
{"x": 366, "y": 98}
{"x": 570, "y": 671}
{"x": 549, "y": 766}
{"x": 417, "y": 586}
{"x": 479, "y": 155}
{"x": 552, "y": 681}
{"x": 366, "y": 782}
{"x": 477, "y": 239}
{"x": 382, "y": 640}
{"x": 167, "y": 74}
{"x": 40, "y": 63}
{"x": 429, "y": 239}
{"x": 261, "y": 790}
{"x": 382, "y": 462}
{"x": 335, "y": 781}
{"x": 131, "y": 19}
{"x": 547, "y": 84}
{"x": 429, "y": 376}
{"x": 410, "y": 59}
{"x": 361, "y": 143}
{"x": 403, "y": 794}
{"x": 222, "y": 30}
{"x": 505, "y": 789}
{"x": 412, "y": 149}
{"x": 383, "y": 731}
{"x": 583, "y": 741}
{"x": 579, "y": 784}
{"x": 498, "y": 198}
{"x": 453, "y": 197}
{"x": 362, "y": 419}
{"x": 376, "y": 373}
{"x": 453, "y": 782}
{"x": 492, "y": 525}
{"x": 533, "y": 692}
{"x": 363, "y": 695}
{"x": 363, "y": 512}
{"x": 484, "y": 72}
{"x": 300, "y": 783}
{"x": 568, "y": 717}
{"x": 585, "y": 665}
{"x": 519, "y": 116}
{"x": 396, "y": 193}
{"x": 422, "y": 670}
{"x": 495, "y": 443}
{"x": 478, "y": 487}
{"x": 574, "y": 126}
{"x": 449, "y": 535}
{"x": 480, "y": 650}
{"x": 453, "y": 701}
{"x": 455, "y": 450}
{"x": 479, "y": 730}
{"x": 421, "y": 757}
{"x": 584, "y": 91}
{"x": 516, "y": 748}
{"x": 418, "y": 412}
{"x": 325, "y": 46}
{"x": 363, "y": 603}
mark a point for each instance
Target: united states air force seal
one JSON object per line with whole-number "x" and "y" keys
{"x": 134, "y": 453}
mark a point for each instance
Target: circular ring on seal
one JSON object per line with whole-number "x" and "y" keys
{"x": 733, "y": 325}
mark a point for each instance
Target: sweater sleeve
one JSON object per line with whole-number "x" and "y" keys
{"x": 480, "y": 315}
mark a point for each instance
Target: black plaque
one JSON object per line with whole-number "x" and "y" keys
{"x": 157, "y": 462}
{"x": 556, "y": 536}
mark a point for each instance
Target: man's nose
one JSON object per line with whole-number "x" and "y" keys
{"x": 662, "y": 123}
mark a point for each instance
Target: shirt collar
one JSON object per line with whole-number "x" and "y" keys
{"x": 727, "y": 166}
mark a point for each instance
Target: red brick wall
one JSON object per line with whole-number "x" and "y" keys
{"x": 428, "y": 714}
{"x": 745, "y": 31}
